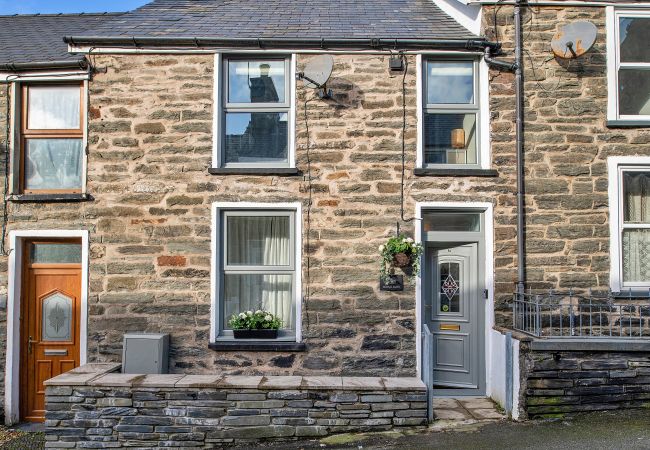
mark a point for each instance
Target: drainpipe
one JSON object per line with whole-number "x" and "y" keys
{"x": 519, "y": 112}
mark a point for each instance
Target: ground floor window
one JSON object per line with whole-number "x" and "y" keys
{"x": 630, "y": 216}
{"x": 257, "y": 265}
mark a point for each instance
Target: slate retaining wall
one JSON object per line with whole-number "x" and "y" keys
{"x": 90, "y": 409}
{"x": 560, "y": 383}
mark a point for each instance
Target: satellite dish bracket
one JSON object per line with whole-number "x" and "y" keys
{"x": 323, "y": 91}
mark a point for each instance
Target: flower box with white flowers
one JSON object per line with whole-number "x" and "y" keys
{"x": 255, "y": 325}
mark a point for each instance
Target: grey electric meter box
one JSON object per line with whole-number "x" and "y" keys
{"x": 145, "y": 353}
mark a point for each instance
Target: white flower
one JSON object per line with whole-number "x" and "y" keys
{"x": 249, "y": 313}
{"x": 258, "y": 312}
{"x": 242, "y": 315}
{"x": 381, "y": 248}
{"x": 409, "y": 240}
{"x": 268, "y": 318}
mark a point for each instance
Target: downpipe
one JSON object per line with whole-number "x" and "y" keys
{"x": 519, "y": 113}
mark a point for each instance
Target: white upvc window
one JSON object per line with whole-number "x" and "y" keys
{"x": 254, "y": 114}
{"x": 629, "y": 191}
{"x": 628, "y": 65}
{"x": 256, "y": 264}
{"x": 450, "y": 116}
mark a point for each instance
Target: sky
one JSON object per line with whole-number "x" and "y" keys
{"x": 66, "y": 6}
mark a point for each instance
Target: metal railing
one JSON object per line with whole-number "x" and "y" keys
{"x": 571, "y": 315}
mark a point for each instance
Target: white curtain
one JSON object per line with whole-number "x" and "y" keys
{"x": 259, "y": 241}
{"x": 54, "y": 107}
{"x": 636, "y": 242}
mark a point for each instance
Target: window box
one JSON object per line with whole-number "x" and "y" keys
{"x": 255, "y": 334}
{"x": 628, "y": 67}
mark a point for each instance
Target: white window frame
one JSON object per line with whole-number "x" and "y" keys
{"x": 616, "y": 167}
{"x": 613, "y": 64}
{"x": 217, "y": 265}
{"x": 15, "y": 125}
{"x": 220, "y": 107}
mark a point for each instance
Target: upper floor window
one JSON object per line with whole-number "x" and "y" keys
{"x": 451, "y": 113}
{"x": 629, "y": 62}
{"x": 51, "y": 138}
{"x": 256, "y": 111}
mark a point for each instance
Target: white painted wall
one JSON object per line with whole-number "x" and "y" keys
{"x": 496, "y": 388}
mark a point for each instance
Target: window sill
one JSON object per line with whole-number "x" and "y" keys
{"x": 281, "y": 171}
{"x": 628, "y": 124}
{"x": 50, "y": 198}
{"x": 258, "y": 346}
{"x": 441, "y": 172}
{"x": 634, "y": 294}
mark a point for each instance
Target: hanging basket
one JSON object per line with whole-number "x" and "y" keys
{"x": 401, "y": 260}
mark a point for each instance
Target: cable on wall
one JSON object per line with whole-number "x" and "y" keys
{"x": 5, "y": 203}
{"x": 307, "y": 283}
{"x": 404, "y": 125}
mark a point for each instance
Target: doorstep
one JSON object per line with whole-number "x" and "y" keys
{"x": 466, "y": 409}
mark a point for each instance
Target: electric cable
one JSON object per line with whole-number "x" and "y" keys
{"x": 404, "y": 125}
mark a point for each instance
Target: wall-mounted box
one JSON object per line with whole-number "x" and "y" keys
{"x": 145, "y": 353}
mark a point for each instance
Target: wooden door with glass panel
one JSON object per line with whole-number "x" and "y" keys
{"x": 50, "y": 315}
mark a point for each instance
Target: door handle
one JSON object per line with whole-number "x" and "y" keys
{"x": 30, "y": 341}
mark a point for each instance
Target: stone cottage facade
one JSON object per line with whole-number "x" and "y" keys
{"x": 169, "y": 181}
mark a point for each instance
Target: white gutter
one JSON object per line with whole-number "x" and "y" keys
{"x": 624, "y": 4}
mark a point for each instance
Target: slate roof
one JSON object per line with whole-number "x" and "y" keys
{"x": 38, "y": 38}
{"x": 328, "y": 19}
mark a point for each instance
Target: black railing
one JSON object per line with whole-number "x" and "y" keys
{"x": 572, "y": 315}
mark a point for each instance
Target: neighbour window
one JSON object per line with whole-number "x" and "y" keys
{"x": 632, "y": 33}
{"x": 258, "y": 265}
{"x": 634, "y": 220}
{"x": 51, "y": 141}
{"x": 451, "y": 110}
{"x": 255, "y": 112}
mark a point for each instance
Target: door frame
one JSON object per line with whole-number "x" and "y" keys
{"x": 488, "y": 278}
{"x": 14, "y": 277}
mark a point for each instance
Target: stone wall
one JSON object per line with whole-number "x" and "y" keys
{"x": 150, "y": 150}
{"x": 559, "y": 383}
{"x": 567, "y": 144}
{"x": 89, "y": 409}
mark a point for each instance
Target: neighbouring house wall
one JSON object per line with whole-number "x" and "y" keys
{"x": 4, "y": 115}
{"x": 150, "y": 147}
{"x": 567, "y": 144}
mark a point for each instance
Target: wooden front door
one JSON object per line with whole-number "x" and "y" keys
{"x": 50, "y": 316}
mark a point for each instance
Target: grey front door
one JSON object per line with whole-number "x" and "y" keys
{"x": 456, "y": 319}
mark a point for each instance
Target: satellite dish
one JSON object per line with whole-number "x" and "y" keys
{"x": 317, "y": 72}
{"x": 574, "y": 39}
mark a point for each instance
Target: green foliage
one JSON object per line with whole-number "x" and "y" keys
{"x": 400, "y": 244}
{"x": 257, "y": 320}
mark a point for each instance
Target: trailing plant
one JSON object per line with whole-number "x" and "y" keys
{"x": 400, "y": 251}
{"x": 258, "y": 320}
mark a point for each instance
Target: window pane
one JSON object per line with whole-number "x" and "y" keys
{"x": 636, "y": 197}
{"x": 249, "y": 292}
{"x": 55, "y": 254}
{"x": 450, "y": 82}
{"x": 634, "y": 92}
{"x": 256, "y": 81}
{"x": 53, "y": 164}
{"x": 636, "y": 255}
{"x": 258, "y": 240}
{"x": 450, "y": 139}
{"x": 634, "y": 37}
{"x": 256, "y": 137}
{"x": 57, "y": 318}
{"x": 449, "y": 287}
{"x": 448, "y": 221}
{"x": 53, "y": 107}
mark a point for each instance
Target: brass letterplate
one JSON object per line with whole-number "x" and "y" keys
{"x": 449, "y": 327}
